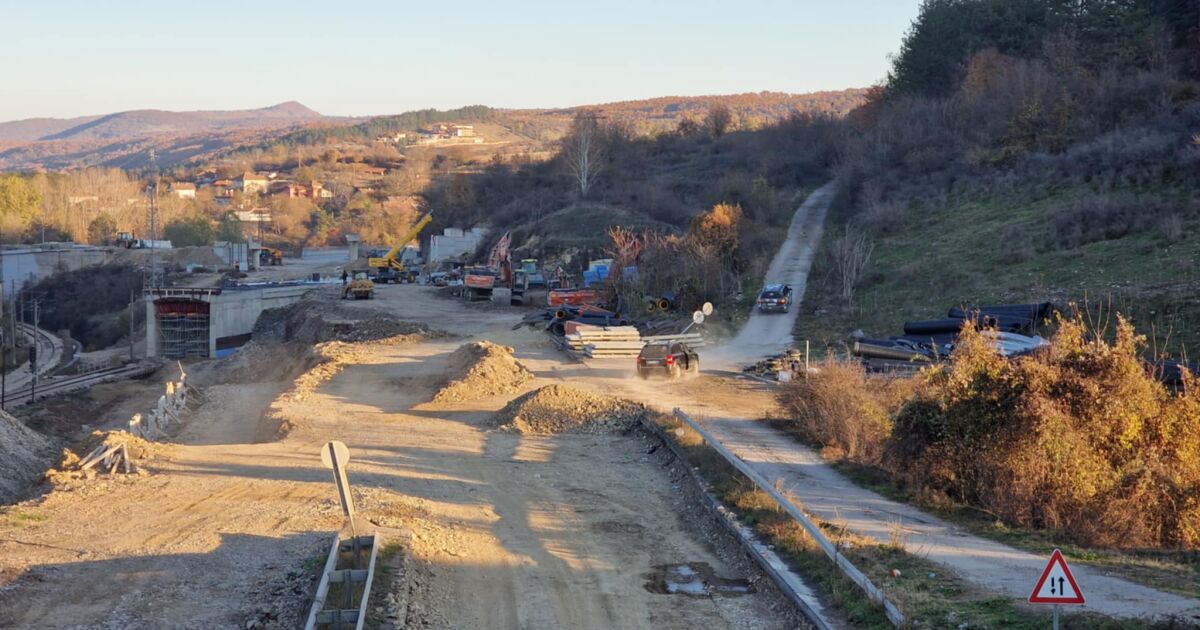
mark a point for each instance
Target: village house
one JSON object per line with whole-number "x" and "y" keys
{"x": 252, "y": 183}
{"x": 184, "y": 190}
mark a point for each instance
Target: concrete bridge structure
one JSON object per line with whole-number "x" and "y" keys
{"x": 210, "y": 322}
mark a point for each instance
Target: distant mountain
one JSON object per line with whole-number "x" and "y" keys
{"x": 142, "y": 123}
{"x": 126, "y": 139}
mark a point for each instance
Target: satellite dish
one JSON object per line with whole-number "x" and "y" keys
{"x": 707, "y": 309}
{"x": 698, "y": 317}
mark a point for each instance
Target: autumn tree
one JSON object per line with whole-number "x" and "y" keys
{"x": 102, "y": 229}
{"x": 20, "y": 203}
{"x": 194, "y": 230}
{"x": 718, "y": 121}
{"x": 230, "y": 229}
{"x": 584, "y": 151}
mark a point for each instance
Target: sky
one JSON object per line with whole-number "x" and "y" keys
{"x": 63, "y": 58}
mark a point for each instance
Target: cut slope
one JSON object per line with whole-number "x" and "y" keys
{"x": 25, "y": 455}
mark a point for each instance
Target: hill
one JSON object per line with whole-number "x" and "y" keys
{"x": 1055, "y": 166}
{"x": 147, "y": 122}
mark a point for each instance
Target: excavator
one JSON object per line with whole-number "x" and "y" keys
{"x": 389, "y": 268}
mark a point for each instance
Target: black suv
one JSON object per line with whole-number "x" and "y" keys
{"x": 668, "y": 359}
{"x": 775, "y": 298}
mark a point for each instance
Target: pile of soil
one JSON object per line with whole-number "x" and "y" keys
{"x": 25, "y": 455}
{"x": 561, "y": 409}
{"x": 481, "y": 369}
{"x": 320, "y": 318}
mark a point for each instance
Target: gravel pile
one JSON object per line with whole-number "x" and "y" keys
{"x": 481, "y": 369}
{"x": 561, "y": 409}
{"x": 25, "y": 455}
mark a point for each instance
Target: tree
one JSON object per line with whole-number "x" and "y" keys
{"x": 193, "y": 231}
{"x": 718, "y": 121}
{"x": 584, "y": 151}
{"x": 18, "y": 199}
{"x": 230, "y": 229}
{"x": 102, "y": 229}
{"x": 851, "y": 254}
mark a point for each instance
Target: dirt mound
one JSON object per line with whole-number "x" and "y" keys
{"x": 320, "y": 318}
{"x": 561, "y": 409}
{"x": 481, "y": 369}
{"x": 25, "y": 455}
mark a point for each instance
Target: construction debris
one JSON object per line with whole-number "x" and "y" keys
{"x": 167, "y": 412}
{"x": 561, "y": 409}
{"x": 103, "y": 452}
{"x": 481, "y": 369}
{"x": 788, "y": 363}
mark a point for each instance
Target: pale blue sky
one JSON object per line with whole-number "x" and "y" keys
{"x": 356, "y": 57}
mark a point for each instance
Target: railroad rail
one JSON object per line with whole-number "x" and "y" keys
{"x": 62, "y": 384}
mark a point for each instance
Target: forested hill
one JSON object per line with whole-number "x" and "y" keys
{"x": 1026, "y": 150}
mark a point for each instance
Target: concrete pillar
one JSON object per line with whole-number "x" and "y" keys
{"x": 151, "y": 328}
{"x": 353, "y": 240}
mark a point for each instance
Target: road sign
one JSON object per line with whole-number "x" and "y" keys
{"x": 707, "y": 309}
{"x": 1057, "y": 585}
{"x": 335, "y": 455}
{"x": 698, "y": 317}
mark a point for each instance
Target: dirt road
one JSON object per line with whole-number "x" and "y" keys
{"x": 505, "y": 530}
{"x": 767, "y": 334}
{"x": 827, "y": 494}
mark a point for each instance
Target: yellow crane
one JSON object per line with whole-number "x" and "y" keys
{"x": 389, "y": 268}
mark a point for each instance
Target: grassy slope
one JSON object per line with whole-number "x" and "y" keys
{"x": 987, "y": 249}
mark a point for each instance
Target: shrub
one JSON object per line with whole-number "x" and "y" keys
{"x": 838, "y": 407}
{"x": 1080, "y": 438}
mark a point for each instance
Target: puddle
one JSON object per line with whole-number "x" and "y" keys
{"x": 695, "y": 579}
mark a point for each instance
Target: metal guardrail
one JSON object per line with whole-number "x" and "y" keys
{"x": 843, "y": 564}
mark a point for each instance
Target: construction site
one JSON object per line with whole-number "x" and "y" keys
{"x": 470, "y": 450}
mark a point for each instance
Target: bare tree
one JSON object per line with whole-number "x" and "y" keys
{"x": 851, "y": 255}
{"x": 584, "y": 151}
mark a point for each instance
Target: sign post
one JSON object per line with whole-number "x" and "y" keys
{"x": 1057, "y": 586}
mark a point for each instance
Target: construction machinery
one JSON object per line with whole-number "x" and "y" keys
{"x": 270, "y": 256}
{"x": 390, "y": 267}
{"x": 360, "y": 288}
{"x": 533, "y": 273}
{"x": 129, "y": 240}
{"x": 479, "y": 282}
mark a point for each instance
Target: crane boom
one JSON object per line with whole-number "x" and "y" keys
{"x": 416, "y": 229}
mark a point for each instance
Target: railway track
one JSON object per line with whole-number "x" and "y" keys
{"x": 50, "y": 386}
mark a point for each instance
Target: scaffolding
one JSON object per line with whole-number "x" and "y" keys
{"x": 182, "y": 336}
{"x": 183, "y": 326}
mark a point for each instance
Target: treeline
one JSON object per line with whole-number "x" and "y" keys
{"x": 604, "y": 174}
{"x": 1095, "y": 92}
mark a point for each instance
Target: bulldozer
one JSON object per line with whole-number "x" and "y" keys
{"x": 360, "y": 288}
{"x": 270, "y": 256}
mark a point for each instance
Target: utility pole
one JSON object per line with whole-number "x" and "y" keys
{"x": 33, "y": 357}
{"x": 132, "y": 302}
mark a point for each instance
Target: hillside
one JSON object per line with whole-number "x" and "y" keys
{"x": 125, "y": 139}
{"x": 1060, "y": 166}
{"x": 147, "y": 122}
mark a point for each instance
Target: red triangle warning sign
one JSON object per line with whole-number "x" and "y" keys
{"x": 1057, "y": 585}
